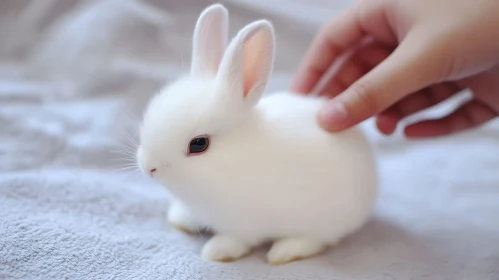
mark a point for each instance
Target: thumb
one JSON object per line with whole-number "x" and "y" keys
{"x": 413, "y": 65}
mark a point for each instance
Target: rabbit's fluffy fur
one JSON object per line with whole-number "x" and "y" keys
{"x": 270, "y": 172}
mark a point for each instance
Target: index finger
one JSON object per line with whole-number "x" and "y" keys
{"x": 332, "y": 40}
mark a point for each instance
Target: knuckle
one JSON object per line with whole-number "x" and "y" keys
{"x": 445, "y": 64}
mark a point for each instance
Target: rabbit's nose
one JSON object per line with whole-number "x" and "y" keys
{"x": 152, "y": 171}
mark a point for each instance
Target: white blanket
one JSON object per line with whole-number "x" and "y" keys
{"x": 73, "y": 82}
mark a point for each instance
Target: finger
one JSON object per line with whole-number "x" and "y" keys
{"x": 336, "y": 36}
{"x": 365, "y": 18}
{"x": 333, "y": 88}
{"x": 472, "y": 114}
{"x": 387, "y": 120}
{"x": 374, "y": 53}
{"x": 426, "y": 98}
{"x": 348, "y": 73}
{"x": 415, "y": 64}
{"x": 362, "y": 61}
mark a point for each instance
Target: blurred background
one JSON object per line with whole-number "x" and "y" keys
{"x": 80, "y": 52}
{"x": 75, "y": 76}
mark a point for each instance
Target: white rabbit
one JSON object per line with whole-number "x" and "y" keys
{"x": 252, "y": 170}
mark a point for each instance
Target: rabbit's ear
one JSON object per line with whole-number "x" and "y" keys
{"x": 209, "y": 40}
{"x": 248, "y": 62}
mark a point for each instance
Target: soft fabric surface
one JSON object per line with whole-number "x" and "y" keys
{"x": 73, "y": 82}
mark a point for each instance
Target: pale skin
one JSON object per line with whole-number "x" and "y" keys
{"x": 408, "y": 55}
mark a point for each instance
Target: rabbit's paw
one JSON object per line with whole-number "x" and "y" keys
{"x": 222, "y": 248}
{"x": 179, "y": 217}
{"x": 294, "y": 249}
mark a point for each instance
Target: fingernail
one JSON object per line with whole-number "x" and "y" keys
{"x": 333, "y": 115}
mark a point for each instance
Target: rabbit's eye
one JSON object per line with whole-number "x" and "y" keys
{"x": 199, "y": 145}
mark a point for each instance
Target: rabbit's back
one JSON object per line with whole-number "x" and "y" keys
{"x": 281, "y": 173}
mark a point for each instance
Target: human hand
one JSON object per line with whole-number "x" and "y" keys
{"x": 417, "y": 54}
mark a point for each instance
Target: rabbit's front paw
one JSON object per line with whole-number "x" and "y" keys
{"x": 293, "y": 249}
{"x": 224, "y": 249}
{"x": 179, "y": 217}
